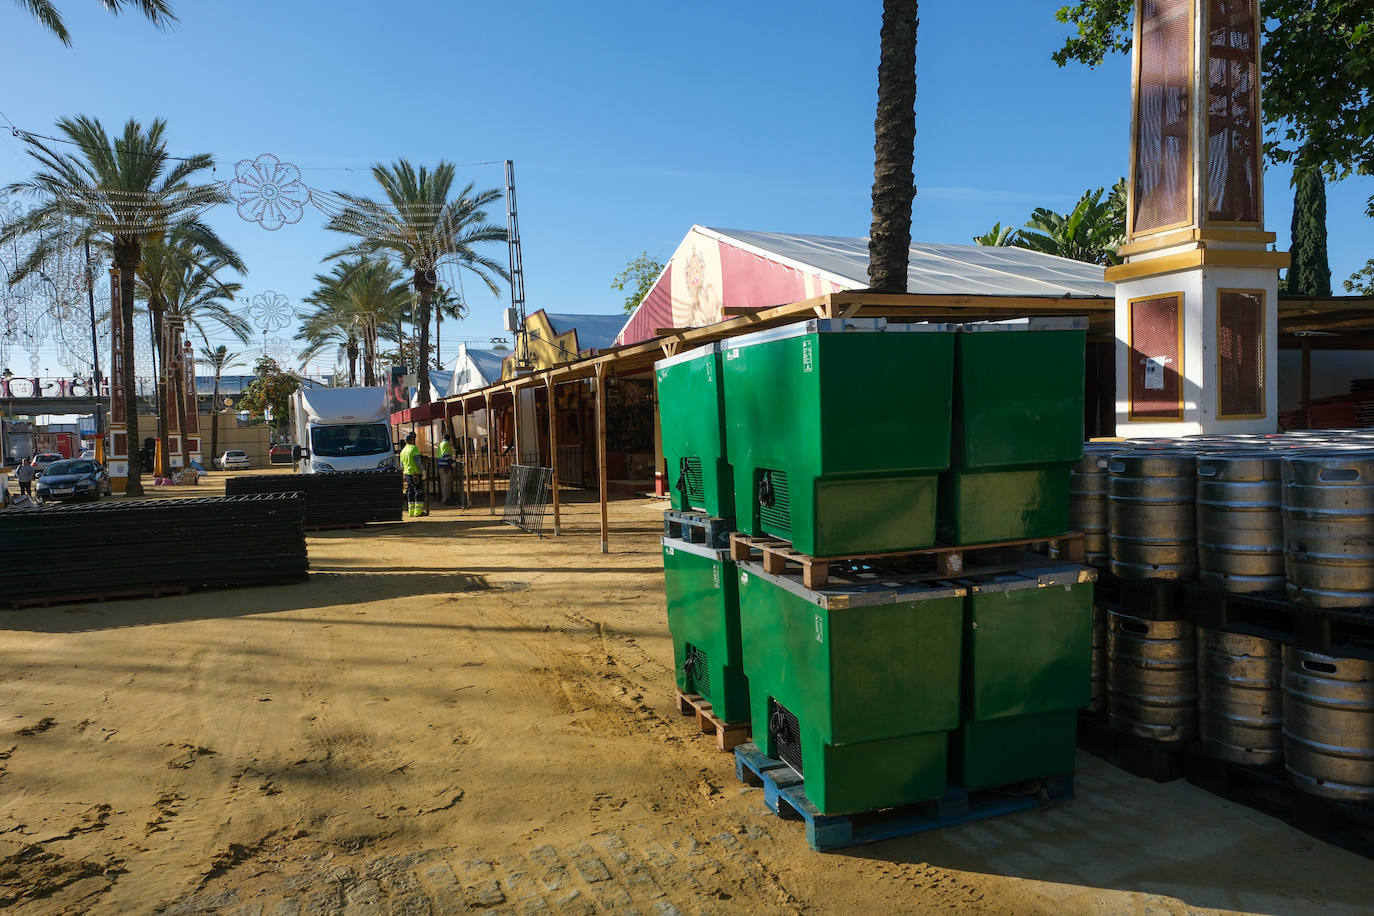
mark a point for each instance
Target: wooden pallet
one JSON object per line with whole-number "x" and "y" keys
{"x": 1331, "y": 631}
{"x": 698, "y": 528}
{"x": 1138, "y": 756}
{"x": 784, "y": 794}
{"x": 83, "y": 597}
{"x": 944, "y": 561}
{"x": 1268, "y": 789}
{"x": 729, "y": 735}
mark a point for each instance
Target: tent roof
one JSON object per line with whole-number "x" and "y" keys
{"x": 594, "y": 332}
{"x": 970, "y": 270}
{"x": 488, "y": 362}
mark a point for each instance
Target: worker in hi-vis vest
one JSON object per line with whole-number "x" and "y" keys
{"x": 410, "y": 467}
{"x": 445, "y": 461}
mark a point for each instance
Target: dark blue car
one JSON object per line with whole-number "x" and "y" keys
{"x": 73, "y": 478}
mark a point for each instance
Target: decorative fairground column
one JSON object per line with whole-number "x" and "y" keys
{"x": 1196, "y": 299}
{"x": 117, "y": 455}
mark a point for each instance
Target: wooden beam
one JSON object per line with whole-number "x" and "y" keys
{"x": 553, "y": 446}
{"x": 467, "y": 465}
{"x": 491, "y": 457}
{"x": 601, "y": 450}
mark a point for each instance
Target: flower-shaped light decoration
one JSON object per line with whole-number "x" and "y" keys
{"x": 270, "y": 311}
{"x": 279, "y": 349}
{"x": 268, "y": 191}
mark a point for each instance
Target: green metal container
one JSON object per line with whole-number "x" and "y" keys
{"x": 1027, "y": 671}
{"x": 691, "y": 404}
{"x": 856, "y": 685}
{"x": 1017, "y": 430}
{"x": 837, "y": 431}
{"x": 703, "y": 618}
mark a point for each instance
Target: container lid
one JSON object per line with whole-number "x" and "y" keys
{"x": 1064, "y": 323}
{"x": 694, "y": 353}
{"x": 853, "y": 592}
{"x": 1039, "y": 577}
{"x": 835, "y": 326}
{"x": 700, "y": 550}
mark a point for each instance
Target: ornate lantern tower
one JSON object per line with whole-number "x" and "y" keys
{"x": 1196, "y": 299}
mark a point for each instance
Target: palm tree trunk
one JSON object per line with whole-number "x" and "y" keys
{"x": 422, "y": 373}
{"x": 351, "y": 349}
{"x": 370, "y": 354}
{"x": 127, "y": 256}
{"x": 894, "y": 144}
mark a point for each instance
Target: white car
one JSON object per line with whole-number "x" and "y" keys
{"x": 233, "y": 459}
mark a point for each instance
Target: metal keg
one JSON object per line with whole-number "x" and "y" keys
{"x": 1088, "y": 502}
{"x": 1328, "y": 724}
{"x": 1328, "y": 527}
{"x": 1239, "y": 697}
{"x": 1152, "y": 677}
{"x": 1151, "y": 518}
{"x": 1098, "y": 696}
{"x": 1239, "y": 521}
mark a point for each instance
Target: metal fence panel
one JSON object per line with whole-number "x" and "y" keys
{"x": 527, "y": 498}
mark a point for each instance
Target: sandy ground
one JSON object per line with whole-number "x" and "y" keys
{"x": 454, "y": 715}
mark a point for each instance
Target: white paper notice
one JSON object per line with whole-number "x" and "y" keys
{"x": 1154, "y": 372}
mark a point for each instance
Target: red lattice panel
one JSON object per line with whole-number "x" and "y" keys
{"x": 1233, "y": 168}
{"x": 1156, "y": 387}
{"x": 1240, "y": 354}
{"x": 1162, "y": 157}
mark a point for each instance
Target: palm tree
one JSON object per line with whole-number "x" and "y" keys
{"x": 159, "y": 12}
{"x": 894, "y": 145}
{"x": 218, "y": 359}
{"x": 177, "y": 279}
{"x": 124, "y": 189}
{"x": 1092, "y": 231}
{"x": 422, "y": 228}
{"x": 998, "y": 236}
{"x": 354, "y": 303}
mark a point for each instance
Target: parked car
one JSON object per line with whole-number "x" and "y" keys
{"x": 279, "y": 454}
{"x": 233, "y": 458}
{"x": 43, "y": 459}
{"x": 73, "y": 478}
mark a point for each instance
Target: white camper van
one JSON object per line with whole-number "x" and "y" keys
{"x": 341, "y": 429}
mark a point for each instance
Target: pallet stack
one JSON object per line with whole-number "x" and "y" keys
{"x": 150, "y": 547}
{"x": 342, "y": 500}
{"x": 886, "y": 670}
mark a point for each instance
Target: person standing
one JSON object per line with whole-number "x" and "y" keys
{"x": 25, "y": 474}
{"x": 410, "y": 467}
{"x": 445, "y": 461}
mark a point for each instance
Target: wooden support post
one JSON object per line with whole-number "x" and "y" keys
{"x": 601, "y": 449}
{"x": 553, "y": 447}
{"x": 491, "y": 455}
{"x": 467, "y": 464}
{"x": 1306, "y": 370}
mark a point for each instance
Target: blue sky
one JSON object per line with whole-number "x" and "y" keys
{"x": 627, "y": 121}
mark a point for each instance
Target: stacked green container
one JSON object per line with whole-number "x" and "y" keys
{"x": 691, "y": 402}
{"x": 703, "y": 618}
{"x": 1017, "y": 430}
{"x": 860, "y": 681}
{"x": 1027, "y": 671}
{"x": 837, "y": 431}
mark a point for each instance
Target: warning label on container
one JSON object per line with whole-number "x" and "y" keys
{"x": 807, "y": 359}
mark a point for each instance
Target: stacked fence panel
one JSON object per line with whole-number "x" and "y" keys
{"x": 127, "y": 548}
{"x": 341, "y": 500}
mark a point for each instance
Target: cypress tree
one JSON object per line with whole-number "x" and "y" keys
{"x": 1309, "y": 273}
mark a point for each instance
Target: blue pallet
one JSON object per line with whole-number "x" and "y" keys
{"x": 697, "y": 527}
{"x": 784, "y": 794}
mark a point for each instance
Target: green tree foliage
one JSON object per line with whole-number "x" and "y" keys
{"x": 271, "y": 391}
{"x": 159, "y": 13}
{"x": 1092, "y": 231}
{"x": 1318, "y": 65}
{"x": 1309, "y": 273}
{"x": 358, "y": 301}
{"x": 1361, "y": 282}
{"x": 638, "y": 276}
